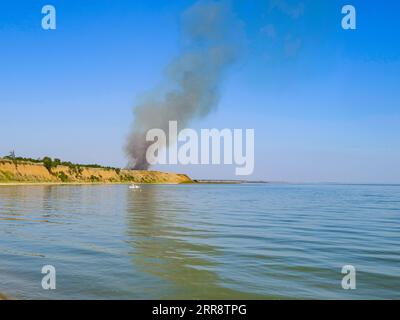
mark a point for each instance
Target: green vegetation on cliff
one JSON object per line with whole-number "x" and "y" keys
{"x": 47, "y": 170}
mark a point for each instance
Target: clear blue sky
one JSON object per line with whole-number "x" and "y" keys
{"x": 325, "y": 102}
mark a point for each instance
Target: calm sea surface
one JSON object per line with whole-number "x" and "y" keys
{"x": 200, "y": 241}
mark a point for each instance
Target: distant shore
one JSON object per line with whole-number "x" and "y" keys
{"x": 17, "y": 171}
{"x": 203, "y": 181}
{"x": 28, "y": 183}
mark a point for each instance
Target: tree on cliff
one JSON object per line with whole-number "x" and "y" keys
{"x": 48, "y": 163}
{"x": 56, "y": 163}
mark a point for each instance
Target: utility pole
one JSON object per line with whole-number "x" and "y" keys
{"x": 13, "y": 159}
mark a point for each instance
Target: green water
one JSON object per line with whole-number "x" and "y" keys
{"x": 200, "y": 241}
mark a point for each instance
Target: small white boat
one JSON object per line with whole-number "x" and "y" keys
{"x": 134, "y": 186}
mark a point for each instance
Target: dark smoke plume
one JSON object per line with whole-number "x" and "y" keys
{"x": 210, "y": 35}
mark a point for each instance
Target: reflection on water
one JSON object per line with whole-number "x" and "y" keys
{"x": 200, "y": 241}
{"x": 160, "y": 247}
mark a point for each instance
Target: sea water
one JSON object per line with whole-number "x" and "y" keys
{"x": 247, "y": 241}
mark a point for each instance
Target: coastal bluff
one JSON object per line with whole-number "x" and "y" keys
{"x": 29, "y": 172}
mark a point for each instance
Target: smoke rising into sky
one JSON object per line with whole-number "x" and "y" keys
{"x": 210, "y": 45}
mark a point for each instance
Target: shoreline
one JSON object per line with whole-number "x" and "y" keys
{"x": 208, "y": 182}
{"x": 10, "y": 184}
{"x": 15, "y": 184}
